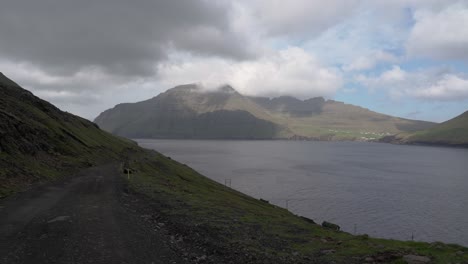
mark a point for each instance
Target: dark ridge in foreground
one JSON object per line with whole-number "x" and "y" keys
{"x": 39, "y": 142}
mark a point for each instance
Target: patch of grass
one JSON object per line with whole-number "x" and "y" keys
{"x": 230, "y": 219}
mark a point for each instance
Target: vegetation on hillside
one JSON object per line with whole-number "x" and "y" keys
{"x": 453, "y": 132}
{"x": 247, "y": 230}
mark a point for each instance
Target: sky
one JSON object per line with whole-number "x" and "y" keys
{"x": 403, "y": 58}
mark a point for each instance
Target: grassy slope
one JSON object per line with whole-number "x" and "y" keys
{"x": 38, "y": 142}
{"x": 339, "y": 121}
{"x": 451, "y": 132}
{"x": 232, "y": 222}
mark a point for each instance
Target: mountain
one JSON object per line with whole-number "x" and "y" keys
{"x": 38, "y": 142}
{"x": 453, "y": 132}
{"x": 187, "y": 111}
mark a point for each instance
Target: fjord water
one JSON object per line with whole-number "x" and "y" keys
{"x": 383, "y": 190}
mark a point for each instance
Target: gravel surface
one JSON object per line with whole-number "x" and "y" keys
{"x": 83, "y": 219}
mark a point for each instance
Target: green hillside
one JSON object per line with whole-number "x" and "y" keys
{"x": 240, "y": 229}
{"x": 187, "y": 111}
{"x": 453, "y": 132}
{"x": 332, "y": 120}
{"x": 38, "y": 142}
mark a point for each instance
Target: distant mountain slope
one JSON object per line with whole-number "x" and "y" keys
{"x": 40, "y": 142}
{"x": 291, "y": 106}
{"x": 320, "y": 119}
{"x": 186, "y": 111}
{"x": 453, "y": 132}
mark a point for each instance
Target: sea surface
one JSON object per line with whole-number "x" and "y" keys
{"x": 384, "y": 190}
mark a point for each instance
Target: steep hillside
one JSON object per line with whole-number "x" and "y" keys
{"x": 188, "y": 112}
{"x": 39, "y": 142}
{"x": 453, "y": 132}
{"x": 241, "y": 229}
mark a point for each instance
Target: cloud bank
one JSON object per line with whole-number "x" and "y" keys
{"x": 119, "y": 37}
{"x": 290, "y": 71}
{"x": 440, "y": 34}
{"x": 431, "y": 84}
{"x": 85, "y": 56}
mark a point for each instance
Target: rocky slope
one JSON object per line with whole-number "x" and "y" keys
{"x": 189, "y": 112}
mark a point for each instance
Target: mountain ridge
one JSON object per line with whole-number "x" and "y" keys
{"x": 187, "y": 111}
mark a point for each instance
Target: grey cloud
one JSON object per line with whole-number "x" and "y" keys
{"x": 212, "y": 41}
{"x": 439, "y": 34}
{"x": 302, "y": 19}
{"x": 122, "y": 37}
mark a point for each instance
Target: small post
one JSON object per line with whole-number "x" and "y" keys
{"x": 287, "y": 204}
{"x": 412, "y": 236}
{"x": 227, "y": 182}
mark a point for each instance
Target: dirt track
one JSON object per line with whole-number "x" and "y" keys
{"x": 85, "y": 219}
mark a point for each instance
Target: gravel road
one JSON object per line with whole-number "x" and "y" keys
{"x": 83, "y": 219}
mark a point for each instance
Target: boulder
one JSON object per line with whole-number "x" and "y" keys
{"x": 415, "y": 259}
{"x": 307, "y": 219}
{"x": 330, "y": 225}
